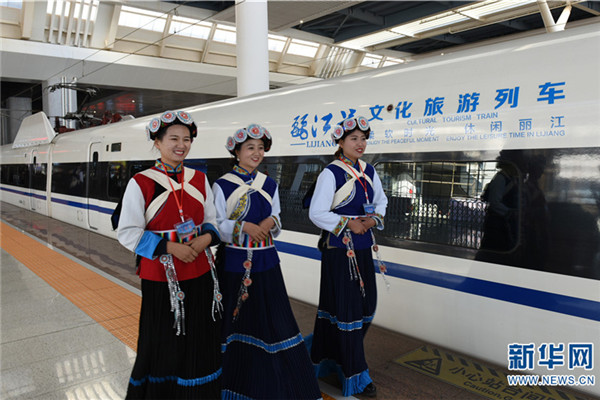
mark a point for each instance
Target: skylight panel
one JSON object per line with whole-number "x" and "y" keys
{"x": 225, "y": 34}
{"x": 371, "y": 61}
{"x": 141, "y": 11}
{"x": 190, "y": 28}
{"x": 12, "y": 4}
{"x": 303, "y": 48}
{"x": 277, "y": 43}
{"x": 138, "y": 18}
{"x": 185, "y": 20}
{"x": 86, "y": 9}
{"x": 59, "y": 7}
{"x": 392, "y": 61}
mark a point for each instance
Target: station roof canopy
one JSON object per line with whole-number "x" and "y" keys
{"x": 411, "y": 27}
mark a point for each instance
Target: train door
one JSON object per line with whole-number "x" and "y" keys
{"x": 23, "y": 179}
{"x": 49, "y": 180}
{"x": 32, "y": 193}
{"x": 38, "y": 181}
{"x": 93, "y": 184}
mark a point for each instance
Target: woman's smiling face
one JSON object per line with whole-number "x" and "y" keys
{"x": 251, "y": 154}
{"x": 354, "y": 145}
{"x": 175, "y": 145}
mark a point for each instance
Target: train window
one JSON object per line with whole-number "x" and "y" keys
{"x": 117, "y": 180}
{"x": 436, "y": 202}
{"x": 198, "y": 165}
{"x": 69, "y": 178}
{"x": 294, "y": 179}
{"x": 24, "y": 176}
{"x": 274, "y": 170}
{"x": 215, "y": 170}
{"x": 3, "y": 174}
{"x": 115, "y": 147}
{"x": 38, "y": 176}
{"x": 16, "y": 175}
{"x": 97, "y": 178}
{"x": 139, "y": 166}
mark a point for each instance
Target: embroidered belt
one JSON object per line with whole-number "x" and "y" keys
{"x": 171, "y": 235}
{"x": 250, "y": 244}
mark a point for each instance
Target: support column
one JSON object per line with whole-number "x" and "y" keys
{"x": 33, "y": 20}
{"x": 105, "y": 26}
{"x": 18, "y": 108}
{"x": 59, "y": 102}
{"x": 548, "y": 19}
{"x": 252, "y": 46}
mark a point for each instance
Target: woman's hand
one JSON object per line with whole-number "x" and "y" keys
{"x": 357, "y": 227}
{"x": 368, "y": 222}
{"x": 183, "y": 252}
{"x": 257, "y": 233}
{"x": 267, "y": 223}
{"x": 200, "y": 243}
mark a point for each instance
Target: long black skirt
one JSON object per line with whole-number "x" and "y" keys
{"x": 168, "y": 366}
{"x": 343, "y": 318}
{"x": 264, "y": 355}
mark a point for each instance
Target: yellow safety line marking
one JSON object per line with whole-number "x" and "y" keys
{"x": 112, "y": 306}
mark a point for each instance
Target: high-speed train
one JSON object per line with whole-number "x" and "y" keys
{"x": 490, "y": 158}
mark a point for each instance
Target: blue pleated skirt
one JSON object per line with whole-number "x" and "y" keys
{"x": 168, "y": 366}
{"x": 264, "y": 355}
{"x": 343, "y": 318}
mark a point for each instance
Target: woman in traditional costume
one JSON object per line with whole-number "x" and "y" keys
{"x": 168, "y": 219}
{"x": 264, "y": 356}
{"x": 348, "y": 201}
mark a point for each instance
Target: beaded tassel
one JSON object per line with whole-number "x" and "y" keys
{"x": 382, "y": 267}
{"x": 246, "y": 282}
{"x": 217, "y": 306}
{"x": 176, "y": 294}
{"x": 352, "y": 263}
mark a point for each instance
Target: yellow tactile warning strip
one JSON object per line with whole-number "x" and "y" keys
{"x": 112, "y": 306}
{"x": 474, "y": 377}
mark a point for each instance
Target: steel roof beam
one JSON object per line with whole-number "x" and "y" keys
{"x": 418, "y": 11}
{"x": 363, "y": 15}
{"x": 592, "y": 7}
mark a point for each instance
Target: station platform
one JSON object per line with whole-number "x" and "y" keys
{"x": 70, "y": 304}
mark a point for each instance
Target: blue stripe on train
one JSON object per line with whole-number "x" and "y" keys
{"x": 574, "y": 306}
{"x": 577, "y": 307}
{"x": 37, "y": 196}
{"x": 77, "y": 204}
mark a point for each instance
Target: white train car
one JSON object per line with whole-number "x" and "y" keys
{"x": 439, "y": 126}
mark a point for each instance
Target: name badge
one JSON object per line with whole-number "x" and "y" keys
{"x": 185, "y": 229}
{"x": 369, "y": 208}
